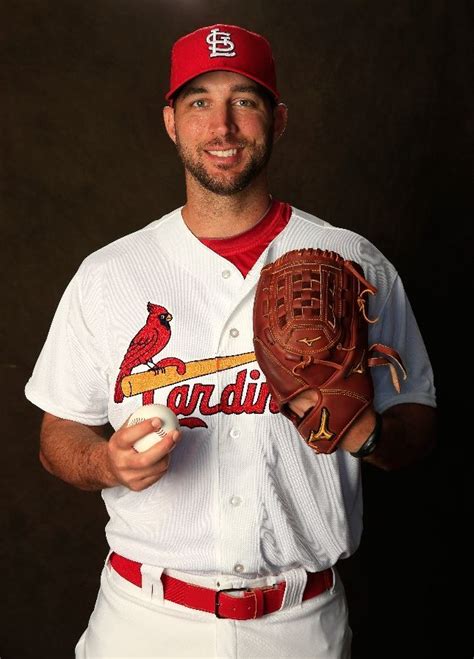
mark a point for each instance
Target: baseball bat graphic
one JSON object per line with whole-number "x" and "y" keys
{"x": 140, "y": 382}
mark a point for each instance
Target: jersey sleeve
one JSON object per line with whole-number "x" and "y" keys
{"x": 69, "y": 379}
{"x": 398, "y": 328}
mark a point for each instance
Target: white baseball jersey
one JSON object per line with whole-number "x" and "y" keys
{"x": 244, "y": 494}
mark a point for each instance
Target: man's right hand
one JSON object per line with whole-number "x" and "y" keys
{"x": 137, "y": 471}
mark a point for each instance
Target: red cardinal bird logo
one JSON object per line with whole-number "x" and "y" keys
{"x": 148, "y": 342}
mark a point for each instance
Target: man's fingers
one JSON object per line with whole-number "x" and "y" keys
{"x": 155, "y": 453}
{"x": 128, "y": 435}
{"x": 143, "y": 483}
{"x": 303, "y": 402}
{"x": 145, "y": 465}
{"x": 163, "y": 447}
{"x": 140, "y": 469}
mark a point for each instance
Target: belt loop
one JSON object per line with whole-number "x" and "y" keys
{"x": 107, "y": 560}
{"x": 151, "y": 582}
{"x": 295, "y": 584}
{"x": 334, "y": 578}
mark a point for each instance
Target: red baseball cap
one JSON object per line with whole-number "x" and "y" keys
{"x": 222, "y": 47}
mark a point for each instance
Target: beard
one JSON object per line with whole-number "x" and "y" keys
{"x": 260, "y": 155}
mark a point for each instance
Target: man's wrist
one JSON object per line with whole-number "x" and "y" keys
{"x": 372, "y": 440}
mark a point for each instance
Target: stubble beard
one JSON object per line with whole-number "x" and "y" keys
{"x": 222, "y": 186}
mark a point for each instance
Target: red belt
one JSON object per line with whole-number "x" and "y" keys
{"x": 254, "y": 602}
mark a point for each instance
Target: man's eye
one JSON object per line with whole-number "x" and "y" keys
{"x": 199, "y": 103}
{"x": 245, "y": 103}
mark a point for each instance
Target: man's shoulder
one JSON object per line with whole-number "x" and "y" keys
{"x": 147, "y": 237}
{"x": 307, "y": 230}
{"x": 329, "y": 235}
{"x": 301, "y": 215}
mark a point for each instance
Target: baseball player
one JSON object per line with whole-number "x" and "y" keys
{"x": 224, "y": 537}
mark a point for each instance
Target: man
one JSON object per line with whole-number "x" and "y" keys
{"x": 235, "y": 501}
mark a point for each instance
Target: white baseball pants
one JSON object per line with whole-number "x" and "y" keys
{"x": 131, "y": 622}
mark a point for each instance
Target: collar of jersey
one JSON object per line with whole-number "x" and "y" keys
{"x": 277, "y": 214}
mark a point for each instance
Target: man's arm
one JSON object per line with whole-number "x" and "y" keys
{"x": 82, "y": 456}
{"x": 408, "y": 434}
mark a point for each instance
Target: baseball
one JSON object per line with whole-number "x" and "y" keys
{"x": 169, "y": 422}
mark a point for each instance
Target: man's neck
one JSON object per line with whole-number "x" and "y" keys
{"x": 209, "y": 215}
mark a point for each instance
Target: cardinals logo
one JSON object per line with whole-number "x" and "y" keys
{"x": 145, "y": 345}
{"x": 243, "y": 395}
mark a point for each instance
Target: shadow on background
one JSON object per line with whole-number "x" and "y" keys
{"x": 379, "y": 141}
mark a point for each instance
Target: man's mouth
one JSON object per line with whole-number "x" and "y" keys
{"x": 224, "y": 153}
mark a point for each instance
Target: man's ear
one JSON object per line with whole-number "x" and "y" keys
{"x": 168, "y": 118}
{"x": 280, "y": 114}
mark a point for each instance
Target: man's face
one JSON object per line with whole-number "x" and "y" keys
{"x": 224, "y": 129}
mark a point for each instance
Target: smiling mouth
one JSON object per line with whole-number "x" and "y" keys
{"x": 225, "y": 153}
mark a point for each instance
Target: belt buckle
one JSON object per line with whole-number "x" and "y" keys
{"x": 217, "y": 600}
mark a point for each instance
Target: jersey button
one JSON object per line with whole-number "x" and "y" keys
{"x": 235, "y": 501}
{"x": 234, "y": 332}
{"x": 225, "y": 274}
{"x": 234, "y": 433}
{"x": 239, "y": 568}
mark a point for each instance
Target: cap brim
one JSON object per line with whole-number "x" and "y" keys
{"x": 172, "y": 93}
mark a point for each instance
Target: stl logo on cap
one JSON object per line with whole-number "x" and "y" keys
{"x": 222, "y": 47}
{"x": 220, "y": 44}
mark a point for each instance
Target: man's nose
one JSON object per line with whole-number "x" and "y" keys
{"x": 223, "y": 119}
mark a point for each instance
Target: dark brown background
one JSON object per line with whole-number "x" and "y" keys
{"x": 380, "y": 141}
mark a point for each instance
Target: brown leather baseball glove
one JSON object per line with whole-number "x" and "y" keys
{"x": 310, "y": 332}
